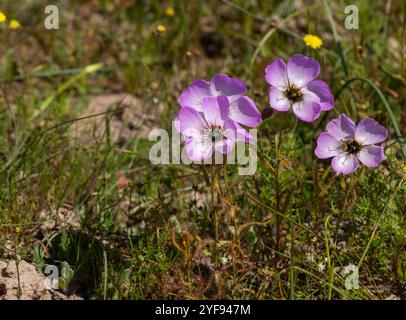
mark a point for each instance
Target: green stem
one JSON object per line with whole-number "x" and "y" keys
{"x": 330, "y": 266}
{"x": 336, "y": 37}
{"x": 66, "y": 85}
{"x": 215, "y": 213}
{"x": 19, "y": 292}
{"x": 278, "y": 138}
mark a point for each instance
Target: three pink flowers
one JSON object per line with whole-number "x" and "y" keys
{"x": 212, "y": 115}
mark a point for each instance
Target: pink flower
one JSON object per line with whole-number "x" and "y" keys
{"x": 210, "y": 115}
{"x": 295, "y": 86}
{"x": 209, "y": 131}
{"x": 348, "y": 144}
{"x": 241, "y": 108}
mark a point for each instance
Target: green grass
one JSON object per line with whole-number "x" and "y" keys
{"x": 156, "y": 236}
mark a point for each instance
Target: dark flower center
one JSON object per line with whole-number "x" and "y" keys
{"x": 293, "y": 94}
{"x": 352, "y": 146}
{"x": 215, "y": 134}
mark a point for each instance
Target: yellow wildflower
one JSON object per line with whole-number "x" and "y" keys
{"x": 2, "y": 17}
{"x": 169, "y": 12}
{"x": 404, "y": 169}
{"x": 14, "y": 24}
{"x": 160, "y": 29}
{"x": 18, "y": 230}
{"x": 312, "y": 41}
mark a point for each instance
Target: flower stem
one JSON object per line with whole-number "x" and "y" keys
{"x": 215, "y": 214}
{"x": 278, "y": 138}
{"x": 19, "y": 291}
{"x": 236, "y": 234}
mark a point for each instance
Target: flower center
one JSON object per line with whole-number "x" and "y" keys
{"x": 352, "y": 146}
{"x": 215, "y": 134}
{"x": 293, "y": 94}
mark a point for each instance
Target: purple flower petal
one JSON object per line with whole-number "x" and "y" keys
{"x": 301, "y": 70}
{"x": 321, "y": 89}
{"x": 327, "y": 146}
{"x": 199, "y": 148}
{"x": 244, "y": 111}
{"x": 307, "y": 110}
{"x": 215, "y": 110}
{"x": 191, "y": 123}
{"x": 345, "y": 163}
{"x": 342, "y": 128}
{"x": 193, "y": 95}
{"x": 234, "y": 131}
{"x": 371, "y": 156}
{"x": 222, "y": 84}
{"x": 275, "y": 74}
{"x": 277, "y": 100}
{"x": 369, "y": 132}
{"x": 176, "y": 124}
